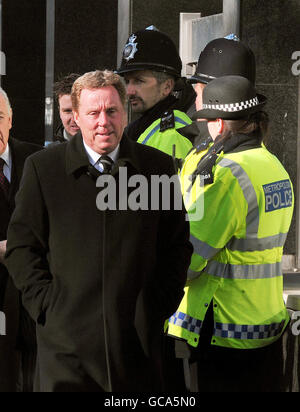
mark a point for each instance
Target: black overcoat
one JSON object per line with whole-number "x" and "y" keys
{"x": 99, "y": 284}
{"x": 14, "y": 340}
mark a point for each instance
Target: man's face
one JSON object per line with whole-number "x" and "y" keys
{"x": 101, "y": 118}
{"x": 66, "y": 115}
{"x": 5, "y": 124}
{"x": 143, "y": 90}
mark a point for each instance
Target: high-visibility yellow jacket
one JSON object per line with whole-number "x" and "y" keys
{"x": 239, "y": 224}
{"x": 162, "y": 134}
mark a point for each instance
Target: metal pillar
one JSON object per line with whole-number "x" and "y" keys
{"x": 231, "y": 16}
{"x": 2, "y": 55}
{"x": 50, "y": 45}
{"x": 297, "y": 189}
{"x": 124, "y": 25}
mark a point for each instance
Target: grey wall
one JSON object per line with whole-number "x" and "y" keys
{"x": 164, "y": 14}
{"x": 85, "y": 37}
{"x": 23, "y": 42}
{"x": 271, "y": 29}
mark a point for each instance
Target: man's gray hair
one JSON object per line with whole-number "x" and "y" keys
{"x": 161, "y": 77}
{"x": 4, "y": 94}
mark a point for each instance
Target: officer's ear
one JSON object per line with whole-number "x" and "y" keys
{"x": 10, "y": 114}
{"x": 220, "y": 125}
{"x": 168, "y": 87}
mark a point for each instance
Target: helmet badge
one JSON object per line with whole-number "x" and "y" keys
{"x": 130, "y": 48}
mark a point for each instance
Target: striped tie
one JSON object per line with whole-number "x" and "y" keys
{"x": 4, "y": 183}
{"x": 107, "y": 164}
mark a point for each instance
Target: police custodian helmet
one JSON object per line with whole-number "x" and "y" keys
{"x": 150, "y": 49}
{"x": 222, "y": 57}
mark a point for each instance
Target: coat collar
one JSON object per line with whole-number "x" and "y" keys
{"x": 19, "y": 152}
{"x": 17, "y": 160}
{"x": 77, "y": 159}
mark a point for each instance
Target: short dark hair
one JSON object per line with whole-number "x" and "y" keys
{"x": 64, "y": 85}
{"x": 257, "y": 124}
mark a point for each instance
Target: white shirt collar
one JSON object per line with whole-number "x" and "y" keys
{"x": 6, "y": 156}
{"x": 94, "y": 156}
{"x": 66, "y": 135}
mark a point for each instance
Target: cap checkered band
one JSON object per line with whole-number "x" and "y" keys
{"x": 233, "y": 107}
{"x": 186, "y": 322}
{"x": 229, "y": 330}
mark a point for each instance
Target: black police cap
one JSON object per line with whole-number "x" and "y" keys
{"x": 223, "y": 57}
{"x": 150, "y": 49}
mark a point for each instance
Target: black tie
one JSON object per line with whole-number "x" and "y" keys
{"x": 107, "y": 164}
{"x": 4, "y": 183}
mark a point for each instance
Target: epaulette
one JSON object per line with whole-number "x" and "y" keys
{"x": 167, "y": 121}
{"x": 205, "y": 166}
{"x": 203, "y": 144}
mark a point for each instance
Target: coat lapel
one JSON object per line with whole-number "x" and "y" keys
{"x": 128, "y": 155}
{"x": 18, "y": 159}
{"x": 76, "y": 157}
{"x": 77, "y": 160}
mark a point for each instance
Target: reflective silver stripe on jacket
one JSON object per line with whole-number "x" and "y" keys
{"x": 186, "y": 322}
{"x": 254, "y": 244}
{"x": 192, "y": 274}
{"x": 229, "y": 330}
{"x": 251, "y": 243}
{"x": 203, "y": 249}
{"x": 252, "y": 219}
{"x": 229, "y": 271}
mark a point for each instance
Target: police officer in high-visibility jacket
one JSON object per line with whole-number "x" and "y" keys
{"x": 152, "y": 67}
{"x": 240, "y": 202}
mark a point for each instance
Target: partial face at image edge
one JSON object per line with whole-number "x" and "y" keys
{"x": 5, "y": 123}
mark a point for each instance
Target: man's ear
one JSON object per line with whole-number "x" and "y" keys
{"x": 76, "y": 118}
{"x": 168, "y": 86}
{"x": 220, "y": 126}
{"x": 10, "y": 119}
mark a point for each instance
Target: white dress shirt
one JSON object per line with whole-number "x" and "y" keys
{"x": 94, "y": 157}
{"x": 6, "y": 156}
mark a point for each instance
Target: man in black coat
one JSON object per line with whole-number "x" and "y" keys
{"x": 99, "y": 283}
{"x": 18, "y": 345}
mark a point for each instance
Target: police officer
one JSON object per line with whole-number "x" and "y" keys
{"x": 240, "y": 202}
{"x": 152, "y": 67}
{"x": 220, "y": 57}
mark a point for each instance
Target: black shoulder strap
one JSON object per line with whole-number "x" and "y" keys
{"x": 167, "y": 121}
{"x": 205, "y": 165}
